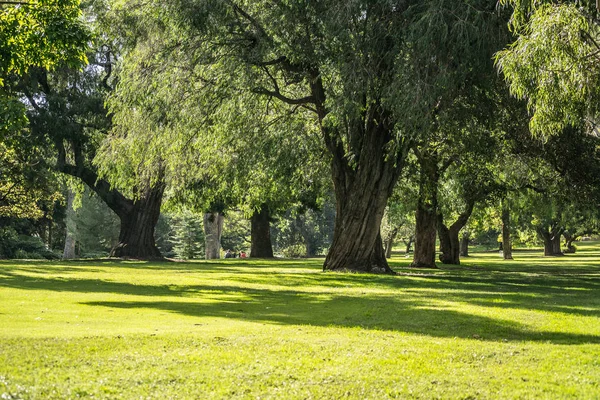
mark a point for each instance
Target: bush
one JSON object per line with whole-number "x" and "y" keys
{"x": 8, "y": 242}
{"x": 294, "y": 251}
{"x": 13, "y": 245}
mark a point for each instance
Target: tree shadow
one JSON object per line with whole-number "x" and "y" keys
{"x": 406, "y": 303}
{"x": 27, "y": 282}
{"x": 385, "y": 313}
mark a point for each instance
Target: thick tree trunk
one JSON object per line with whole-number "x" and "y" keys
{"x": 70, "y": 238}
{"x": 464, "y": 245}
{"x": 426, "y": 219}
{"x": 389, "y": 243}
{"x": 361, "y": 198}
{"x": 364, "y": 173}
{"x": 551, "y": 238}
{"x": 260, "y": 232}
{"x": 556, "y": 250}
{"x": 138, "y": 218}
{"x": 213, "y": 229}
{"x": 446, "y": 253}
{"x": 136, "y": 238}
{"x": 506, "y": 241}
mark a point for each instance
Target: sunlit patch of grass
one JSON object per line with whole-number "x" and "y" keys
{"x": 489, "y": 328}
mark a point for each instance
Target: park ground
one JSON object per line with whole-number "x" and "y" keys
{"x": 488, "y": 329}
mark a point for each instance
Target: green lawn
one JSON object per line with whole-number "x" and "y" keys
{"x": 527, "y": 329}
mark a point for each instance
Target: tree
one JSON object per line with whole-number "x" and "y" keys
{"x": 37, "y": 34}
{"x": 399, "y": 219}
{"x": 353, "y": 66}
{"x": 71, "y": 236}
{"x": 472, "y": 179}
{"x": 553, "y": 63}
{"x": 187, "y": 235}
{"x": 40, "y": 34}
{"x": 66, "y": 115}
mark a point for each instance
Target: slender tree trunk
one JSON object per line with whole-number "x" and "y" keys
{"x": 426, "y": 219}
{"x": 506, "y": 241}
{"x": 260, "y": 232}
{"x": 136, "y": 238}
{"x": 449, "y": 240}
{"x": 408, "y": 244}
{"x": 213, "y": 229}
{"x": 305, "y": 231}
{"x": 70, "y": 238}
{"x": 389, "y": 243}
{"x": 464, "y": 245}
{"x": 49, "y": 234}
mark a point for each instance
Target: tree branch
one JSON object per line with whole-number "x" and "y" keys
{"x": 277, "y": 94}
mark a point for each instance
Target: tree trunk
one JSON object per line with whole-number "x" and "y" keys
{"x": 446, "y": 254}
{"x": 364, "y": 173}
{"x": 390, "y": 242}
{"x": 306, "y": 235}
{"x": 70, "y": 239}
{"x": 138, "y": 217}
{"x": 309, "y": 248}
{"x": 50, "y": 223}
{"x": 136, "y": 238}
{"x": 260, "y": 234}
{"x": 449, "y": 241}
{"x": 569, "y": 239}
{"x": 213, "y": 229}
{"x": 506, "y": 241}
{"x": 551, "y": 239}
{"x": 409, "y": 244}
{"x": 464, "y": 245}
{"x": 361, "y": 198}
{"x": 426, "y": 220}
{"x": 556, "y": 250}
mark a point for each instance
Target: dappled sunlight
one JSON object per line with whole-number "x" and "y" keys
{"x": 513, "y": 301}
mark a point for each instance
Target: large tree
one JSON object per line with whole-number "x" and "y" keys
{"x": 65, "y": 112}
{"x": 372, "y": 73}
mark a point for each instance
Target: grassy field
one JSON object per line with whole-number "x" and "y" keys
{"x": 525, "y": 329}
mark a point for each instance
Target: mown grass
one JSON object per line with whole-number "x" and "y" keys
{"x": 528, "y": 328}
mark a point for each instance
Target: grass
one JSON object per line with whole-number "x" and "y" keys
{"x": 524, "y": 329}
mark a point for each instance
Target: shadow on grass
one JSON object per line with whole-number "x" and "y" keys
{"x": 384, "y": 313}
{"x": 406, "y": 303}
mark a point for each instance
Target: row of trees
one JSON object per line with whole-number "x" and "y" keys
{"x": 222, "y": 105}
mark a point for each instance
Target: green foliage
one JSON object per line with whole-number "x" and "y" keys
{"x": 236, "y": 232}
{"x": 187, "y": 235}
{"x": 97, "y": 226}
{"x": 42, "y": 34}
{"x": 13, "y": 245}
{"x": 304, "y": 232}
{"x": 24, "y": 188}
{"x": 553, "y": 65}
